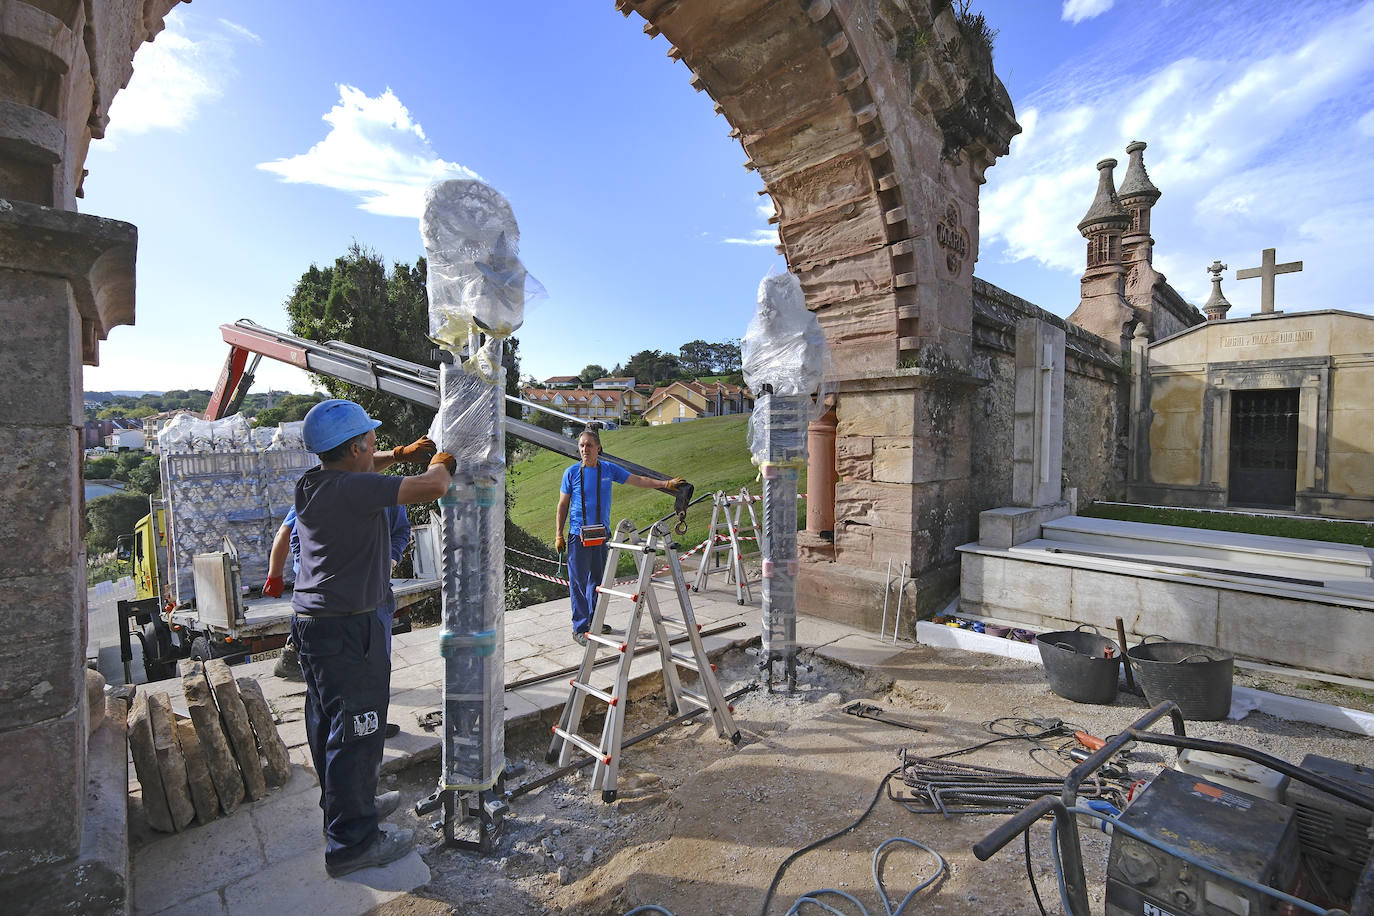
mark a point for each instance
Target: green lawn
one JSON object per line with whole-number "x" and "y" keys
{"x": 712, "y": 454}
{"x": 1312, "y": 529}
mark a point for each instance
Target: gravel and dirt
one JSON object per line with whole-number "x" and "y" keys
{"x": 701, "y": 825}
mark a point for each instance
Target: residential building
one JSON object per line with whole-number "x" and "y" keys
{"x": 561, "y": 381}
{"x": 609, "y": 405}
{"x": 678, "y": 402}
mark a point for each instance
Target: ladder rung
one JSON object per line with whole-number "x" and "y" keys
{"x": 593, "y": 749}
{"x": 674, "y": 623}
{"x": 686, "y": 661}
{"x": 630, "y": 596}
{"x": 601, "y": 695}
{"x": 606, "y": 641}
{"x": 623, "y": 545}
{"x": 696, "y": 698}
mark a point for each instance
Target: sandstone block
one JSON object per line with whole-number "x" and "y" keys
{"x": 144, "y": 751}
{"x": 202, "y": 787}
{"x": 42, "y": 487}
{"x": 274, "y": 752}
{"x": 224, "y": 770}
{"x": 170, "y": 760}
{"x": 41, "y": 785}
{"x": 236, "y": 725}
{"x": 95, "y": 699}
{"x": 43, "y": 350}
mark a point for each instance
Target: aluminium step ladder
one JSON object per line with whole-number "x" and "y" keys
{"x": 707, "y": 696}
{"x": 724, "y": 536}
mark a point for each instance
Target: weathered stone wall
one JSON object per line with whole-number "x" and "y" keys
{"x": 1095, "y": 392}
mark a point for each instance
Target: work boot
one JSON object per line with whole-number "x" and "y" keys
{"x": 580, "y": 637}
{"x": 392, "y": 730}
{"x": 389, "y": 846}
{"x": 386, "y": 803}
{"x": 288, "y": 666}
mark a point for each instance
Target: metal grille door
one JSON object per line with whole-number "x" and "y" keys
{"x": 1264, "y": 448}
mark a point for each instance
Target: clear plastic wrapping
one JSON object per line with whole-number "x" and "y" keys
{"x": 784, "y": 350}
{"x": 219, "y": 482}
{"x": 477, "y": 285}
{"x": 470, "y": 425}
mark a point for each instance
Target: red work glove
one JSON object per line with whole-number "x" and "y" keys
{"x": 446, "y": 460}
{"x": 273, "y": 586}
{"x": 422, "y": 449}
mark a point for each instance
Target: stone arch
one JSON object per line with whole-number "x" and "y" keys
{"x": 868, "y": 122}
{"x": 871, "y": 123}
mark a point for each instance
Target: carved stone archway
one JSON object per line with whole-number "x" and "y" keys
{"x": 871, "y": 123}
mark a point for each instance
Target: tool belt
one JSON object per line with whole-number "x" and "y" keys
{"x": 593, "y": 535}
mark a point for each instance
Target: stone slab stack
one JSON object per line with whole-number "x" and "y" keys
{"x": 193, "y": 769}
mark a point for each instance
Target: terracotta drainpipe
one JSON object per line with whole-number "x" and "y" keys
{"x": 820, "y": 475}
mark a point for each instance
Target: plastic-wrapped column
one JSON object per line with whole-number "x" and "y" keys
{"x": 784, "y": 357}
{"x": 782, "y": 420}
{"x": 471, "y": 426}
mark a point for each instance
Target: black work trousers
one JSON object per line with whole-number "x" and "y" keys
{"x": 347, "y": 687}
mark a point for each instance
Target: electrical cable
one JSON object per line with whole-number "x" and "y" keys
{"x": 777, "y": 875}
{"x": 814, "y": 897}
{"x": 649, "y": 908}
{"x": 878, "y": 878}
{"x": 1031, "y": 875}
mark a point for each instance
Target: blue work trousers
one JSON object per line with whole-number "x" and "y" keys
{"x": 585, "y": 565}
{"x": 347, "y": 688}
{"x": 386, "y": 613}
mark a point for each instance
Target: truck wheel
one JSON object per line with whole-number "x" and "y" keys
{"x": 202, "y": 648}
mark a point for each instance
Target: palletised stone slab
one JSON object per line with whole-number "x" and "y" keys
{"x": 274, "y": 753}
{"x": 240, "y": 731}
{"x": 224, "y": 770}
{"x": 145, "y": 765}
{"x": 203, "y": 795}
{"x": 170, "y": 761}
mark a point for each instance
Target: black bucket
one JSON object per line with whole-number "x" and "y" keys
{"x": 1078, "y": 667}
{"x": 1196, "y": 677}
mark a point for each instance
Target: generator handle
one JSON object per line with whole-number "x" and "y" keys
{"x": 1009, "y": 830}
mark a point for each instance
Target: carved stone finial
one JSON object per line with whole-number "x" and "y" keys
{"x": 1135, "y": 184}
{"x": 1106, "y": 211}
{"x": 1216, "y": 307}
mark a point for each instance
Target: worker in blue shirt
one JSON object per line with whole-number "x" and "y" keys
{"x": 584, "y": 514}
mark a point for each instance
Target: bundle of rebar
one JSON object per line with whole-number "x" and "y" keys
{"x": 963, "y": 788}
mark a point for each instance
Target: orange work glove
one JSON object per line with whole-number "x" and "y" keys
{"x": 422, "y": 449}
{"x": 445, "y": 459}
{"x": 672, "y": 485}
{"x": 559, "y": 544}
{"x": 273, "y": 586}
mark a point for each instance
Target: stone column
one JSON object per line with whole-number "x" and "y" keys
{"x": 1037, "y": 440}
{"x": 1038, "y": 424}
{"x": 65, "y": 281}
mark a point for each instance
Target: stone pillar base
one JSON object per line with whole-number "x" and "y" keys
{"x": 97, "y": 880}
{"x": 854, "y": 596}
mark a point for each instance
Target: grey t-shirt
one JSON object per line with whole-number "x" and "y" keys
{"x": 345, "y": 541}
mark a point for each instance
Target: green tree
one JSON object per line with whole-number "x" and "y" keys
{"x": 696, "y": 358}
{"x": 125, "y": 462}
{"x": 100, "y": 468}
{"x": 725, "y": 357}
{"x": 146, "y": 476}
{"x": 591, "y": 373}
{"x": 107, "y": 517}
{"x": 652, "y": 366}
{"x": 290, "y": 408}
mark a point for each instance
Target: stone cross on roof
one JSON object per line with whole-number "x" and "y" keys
{"x": 1267, "y": 270}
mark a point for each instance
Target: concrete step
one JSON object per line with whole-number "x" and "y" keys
{"x": 1230, "y": 551}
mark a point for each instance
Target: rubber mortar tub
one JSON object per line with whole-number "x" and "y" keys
{"x": 1080, "y": 666}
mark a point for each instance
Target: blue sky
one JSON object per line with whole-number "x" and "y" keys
{"x": 256, "y": 138}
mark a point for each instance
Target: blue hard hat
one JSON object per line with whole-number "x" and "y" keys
{"x": 334, "y": 422}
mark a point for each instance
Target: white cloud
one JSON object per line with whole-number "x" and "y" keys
{"x": 1244, "y": 144}
{"x": 1075, "y": 11}
{"x": 374, "y": 149}
{"x": 757, "y": 237}
{"x": 244, "y": 31}
{"x": 174, "y": 77}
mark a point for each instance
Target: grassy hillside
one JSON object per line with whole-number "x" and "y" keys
{"x": 712, "y": 454}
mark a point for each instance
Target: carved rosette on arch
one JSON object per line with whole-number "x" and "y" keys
{"x": 952, "y": 238}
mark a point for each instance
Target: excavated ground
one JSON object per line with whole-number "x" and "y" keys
{"x": 701, "y": 826}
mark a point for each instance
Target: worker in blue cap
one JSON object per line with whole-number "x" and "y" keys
{"x": 341, "y": 524}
